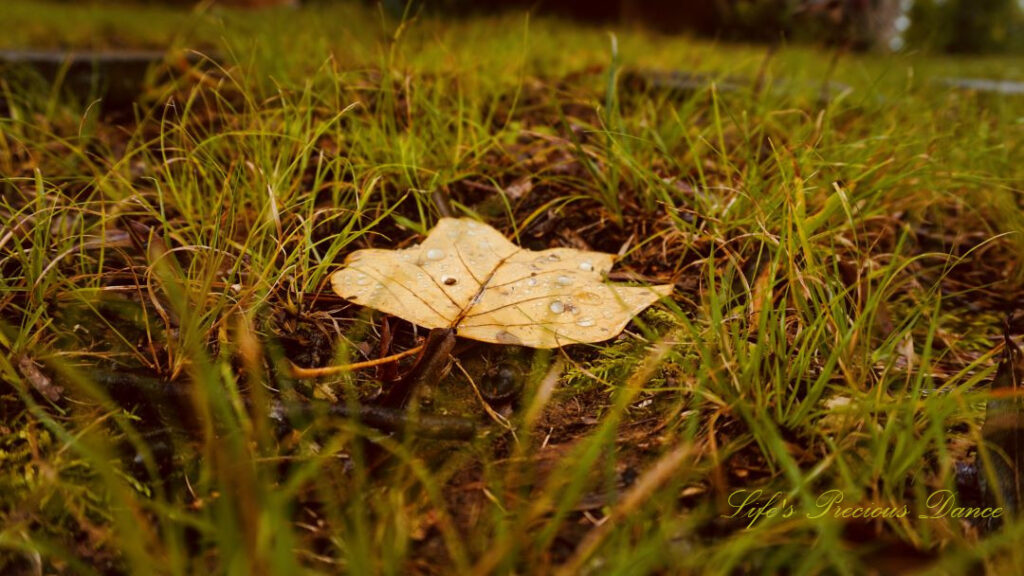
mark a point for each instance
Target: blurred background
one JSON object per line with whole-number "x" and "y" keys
{"x": 949, "y": 26}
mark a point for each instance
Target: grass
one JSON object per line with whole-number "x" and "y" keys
{"x": 842, "y": 269}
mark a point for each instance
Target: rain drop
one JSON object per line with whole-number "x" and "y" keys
{"x": 435, "y": 254}
{"x": 557, "y": 307}
{"x": 531, "y": 282}
{"x": 554, "y": 257}
{"x": 362, "y": 281}
{"x": 585, "y": 323}
{"x": 586, "y": 266}
{"x": 563, "y": 280}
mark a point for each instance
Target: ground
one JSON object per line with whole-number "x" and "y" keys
{"x": 843, "y": 233}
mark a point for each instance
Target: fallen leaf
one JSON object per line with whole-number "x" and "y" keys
{"x": 41, "y": 382}
{"x": 468, "y": 276}
{"x": 519, "y": 188}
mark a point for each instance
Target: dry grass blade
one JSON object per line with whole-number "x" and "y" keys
{"x": 647, "y": 485}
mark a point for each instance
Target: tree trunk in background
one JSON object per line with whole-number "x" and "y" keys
{"x": 881, "y": 23}
{"x": 666, "y": 15}
{"x": 257, "y": 3}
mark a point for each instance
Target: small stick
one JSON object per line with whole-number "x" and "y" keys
{"x": 300, "y": 372}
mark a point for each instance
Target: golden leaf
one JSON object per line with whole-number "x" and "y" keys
{"x": 469, "y": 277}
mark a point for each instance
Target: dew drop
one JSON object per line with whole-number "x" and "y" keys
{"x": 586, "y": 266}
{"x": 557, "y": 307}
{"x": 563, "y": 280}
{"x": 588, "y": 297}
{"x": 362, "y": 281}
{"x": 435, "y": 254}
{"x": 554, "y": 257}
{"x": 449, "y": 280}
{"x": 585, "y": 323}
{"x": 531, "y": 282}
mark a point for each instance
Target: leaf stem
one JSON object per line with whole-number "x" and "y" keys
{"x": 304, "y": 373}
